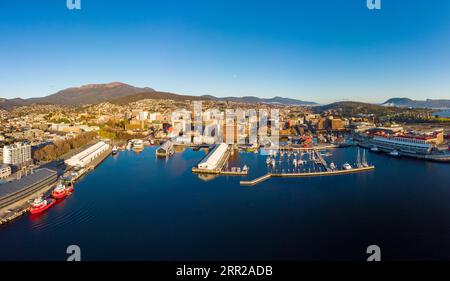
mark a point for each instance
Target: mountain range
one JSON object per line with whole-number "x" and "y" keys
{"x": 121, "y": 93}
{"x": 428, "y": 103}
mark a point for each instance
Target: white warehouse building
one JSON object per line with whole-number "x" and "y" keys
{"x": 86, "y": 156}
{"x": 213, "y": 160}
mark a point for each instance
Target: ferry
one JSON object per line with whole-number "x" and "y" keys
{"x": 138, "y": 144}
{"x": 347, "y": 166}
{"x": 39, "y": 205}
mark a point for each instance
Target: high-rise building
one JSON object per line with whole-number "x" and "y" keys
{"x": 17, "y": 154}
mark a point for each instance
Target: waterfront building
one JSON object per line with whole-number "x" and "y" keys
{"x": 5, "y": 171}
{"x": 17, "y": 154}
{"x": 14, "y": 191}
{"x": 83, "y": 158}
{"x": 212, "y": 161}
{"x": 404, "y": 144}
{"x": 166, "y": 149}
{"x": 142, "y": 115}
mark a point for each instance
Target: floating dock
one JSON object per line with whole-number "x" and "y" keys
{"x": 309, "y": 174}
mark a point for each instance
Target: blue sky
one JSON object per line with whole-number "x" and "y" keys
{"x": 318, "y": 50}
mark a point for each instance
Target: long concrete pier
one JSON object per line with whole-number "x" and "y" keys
{"x": 309, "y": 174}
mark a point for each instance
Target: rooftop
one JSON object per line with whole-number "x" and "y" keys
{"x": 25, "y": 182}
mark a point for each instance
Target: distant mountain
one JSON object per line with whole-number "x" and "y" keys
{"x": 122, "y": 93}
{"x": 275, "y": 100}
{"x": 351, "y": 108}
{"x": 406, "y": 102}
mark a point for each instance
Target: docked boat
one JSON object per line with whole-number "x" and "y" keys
{"x": 347, "y": 166}
{"x": 268, "y": 160}
{"x": 39, "y": 205}
{"x": 374, "y": 149}
{"x": 245, "y": 169}
{"x": 129, "y": 145}
{"x": 394, "y": 153}
{"x": 114, "y": 150}
{"x": 138, "y": 144}
{"x": 61, "y": 191}
{"x": 294, "y": 162}
{"x": 332, "y": 166}
{"x": 152, "y": 142}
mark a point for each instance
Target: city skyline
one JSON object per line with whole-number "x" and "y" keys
{"x": 323, "y": 52}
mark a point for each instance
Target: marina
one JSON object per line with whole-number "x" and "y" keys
{"x": 203, "y": 209}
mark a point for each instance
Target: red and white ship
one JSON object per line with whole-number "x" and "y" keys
{"x": 39, "y": 205}
{"x": 61, "y": 191}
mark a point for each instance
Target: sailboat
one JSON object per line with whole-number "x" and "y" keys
{"x": 364, "y": 160}
{"x": 358, "y": 160}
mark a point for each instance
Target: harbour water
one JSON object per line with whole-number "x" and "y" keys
{"x": 443, "y": 113}
{"x": 136, "y": 207}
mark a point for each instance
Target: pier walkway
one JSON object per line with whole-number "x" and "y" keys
{"x": 309, "y": 174}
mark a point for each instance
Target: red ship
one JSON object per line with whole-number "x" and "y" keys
{"x": 61, "y": 191}
{"x": 39, "y": 205}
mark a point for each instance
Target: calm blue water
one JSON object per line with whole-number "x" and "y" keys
{"x": 134, "y": 206}
{"x": 443, "y": 113}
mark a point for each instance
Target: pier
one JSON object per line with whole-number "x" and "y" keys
{"x": 320, "y": 160}
{"x": 309, "y": 174}
{"x": 215, "y": 161}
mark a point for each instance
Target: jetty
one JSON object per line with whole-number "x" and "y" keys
{"x": 215, "y": 161}
{"x": 308, "y": 174}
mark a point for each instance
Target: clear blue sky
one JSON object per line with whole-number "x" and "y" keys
{"x": 319, "y": 50}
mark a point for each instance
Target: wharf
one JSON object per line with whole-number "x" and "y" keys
{"x": 309, "y": 174}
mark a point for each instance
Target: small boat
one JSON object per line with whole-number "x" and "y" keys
{"x": 114, "y": 150}
{"x": 273, "y": 162}
{"x": 394, "y": 153}
{"x": 374, "y": 149}
{"x": 245, "y": 168}
{"x": 268, "y": 160}
{"x": 152, "y": 142}
{"x": 294, "y": 162}
{"x": 332, "y": 166}
{"x": 39, "y": 205}
{"x": 138, "y": 144}
{"x": 347, "y": 166}
{"x": 129, "y": 145}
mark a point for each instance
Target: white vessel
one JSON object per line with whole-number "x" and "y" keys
{"x": 374, "y": 149}
{"x": 394, "y": 153}
{"x": 138, "y": 144}
{"x": 347, "y": 166}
